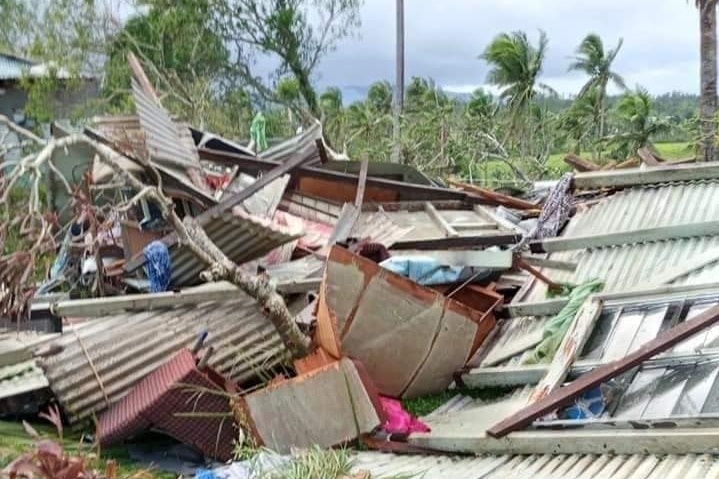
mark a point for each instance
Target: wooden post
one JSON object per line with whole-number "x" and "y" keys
{"x": 399, "y": 85}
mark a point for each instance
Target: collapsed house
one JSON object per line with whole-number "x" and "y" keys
{"x": 592, "y": 307}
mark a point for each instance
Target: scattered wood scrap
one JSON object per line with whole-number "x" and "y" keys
{"x": 494, "y": 197}
{"x": 581, "y": 164}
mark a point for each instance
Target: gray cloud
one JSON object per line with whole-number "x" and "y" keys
{"x": 444, "y": 39}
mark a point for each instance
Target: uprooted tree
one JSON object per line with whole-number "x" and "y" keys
{"x": 17, "y": 267}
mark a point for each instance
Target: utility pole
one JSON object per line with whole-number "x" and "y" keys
{"x": 398, "y": 103}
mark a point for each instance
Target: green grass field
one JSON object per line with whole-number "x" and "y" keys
{"x": 499, "y": 173}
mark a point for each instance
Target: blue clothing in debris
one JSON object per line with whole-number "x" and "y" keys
{"x": 589, "y": 405}
{"x": 426, "y": 271}
{"x": 205, "y": 474}
{"x": 158, "y": 266}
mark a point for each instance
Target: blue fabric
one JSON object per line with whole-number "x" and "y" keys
{"x": 158, "y": 266}
{"x": 205, "y": 474}
{"x": 425, "y": 270}
{"x": 590, "y": 405}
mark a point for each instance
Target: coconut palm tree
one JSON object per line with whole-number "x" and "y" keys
{"x": 708, "y": 91}
{"x": 592, "y": 59}
{"x": 515, "y": 67}
{"x": 634, "y": 112}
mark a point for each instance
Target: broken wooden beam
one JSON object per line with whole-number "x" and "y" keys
{"x": 648, "y": 157}
{"x": 459, "y": 242}
{"x": 580, "y": 164}
{"x": 630, "y": 163}
{"x": 565, "y": 395}
{"x": 494, "y": 197}
{"x": 361, "y": 183}
{"x": 442, "y": 223}
{"x": 550, "y": 263}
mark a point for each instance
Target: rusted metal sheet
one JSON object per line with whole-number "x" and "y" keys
{"x": 411, "y": 339}
{"x": 102, "y": 361}
{"x": 565, "y": 395}
{"x": 159, "y": 401}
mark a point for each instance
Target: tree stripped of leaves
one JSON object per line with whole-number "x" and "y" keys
{"x": 292, "y": 35}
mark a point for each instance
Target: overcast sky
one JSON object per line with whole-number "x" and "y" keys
{"x": 445, "y": 37}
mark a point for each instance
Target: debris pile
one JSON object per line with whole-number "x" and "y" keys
{"x": 289, "y": 298}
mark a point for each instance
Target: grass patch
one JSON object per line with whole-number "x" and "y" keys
{"x": 424, "y": 405}
{"x": 675, "y": 151}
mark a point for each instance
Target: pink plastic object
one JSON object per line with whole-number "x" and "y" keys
{"x": 400, "y": 421}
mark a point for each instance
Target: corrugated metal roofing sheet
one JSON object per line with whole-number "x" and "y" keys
{"x": 12, "y": 67}
{"x": 629, "y": 267}
{"x": 540, "y": 466}
{"x": 240, "y": 236}
{"x": 169, "y": 145}
{"x": 103, "y": 360}
{"x": 159, "y": 401}
{"x": 648, "y": 207}
{"x": 301, "y": 144}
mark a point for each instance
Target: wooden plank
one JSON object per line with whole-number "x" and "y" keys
{"x": 550, "y": 263}
{"x": 345, "y": 223}
{"x": 566, "y": 395}
{"x": 459, "y": 242}
{"x": 494, "y": 197}
{"x": 610, "y": 165}
{"x": 485, "y": 213}
{"x": 569, "y": 349}
{"x": 486, "y": 377}
{"x": 661, "y": 233}
{"x": 630, "y": 163}
{"x": 437, "y": 218}
{"x": 361, "y": 183}
{"x": 296, "y": 286}
{"x": 622, "y": 178}
{"x": 97, "y": 307}
{"x": 581, "y": 441}
{"x": 474, "y": 258}
{"x": 648, "y": 157}
{"x": 580, "y": 164}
